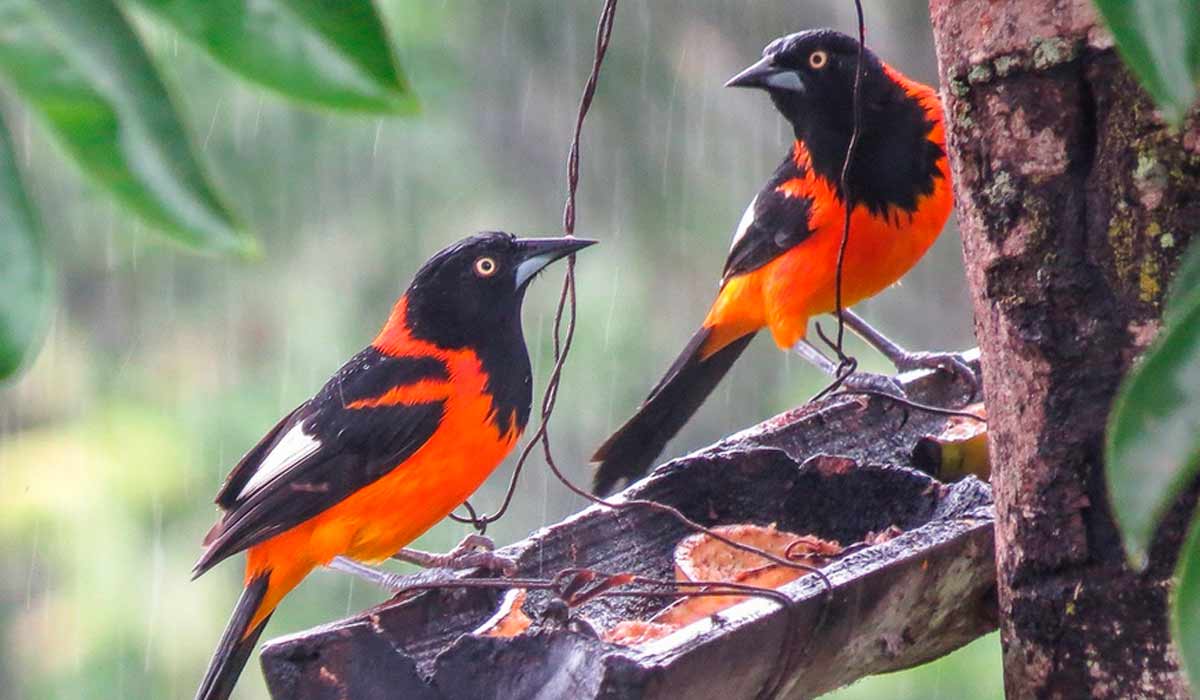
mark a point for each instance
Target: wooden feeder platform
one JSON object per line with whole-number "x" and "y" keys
{"x": 838, "y": 469}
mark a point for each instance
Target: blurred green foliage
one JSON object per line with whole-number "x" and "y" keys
{"x": 86, "y": 72}
{"x": 334, "y": 55}
{"x": 162, "y": 368}
{"x": 1160, "y": 41}
{"x": 1153, "y": 449}
{"x": 23, "y": 278}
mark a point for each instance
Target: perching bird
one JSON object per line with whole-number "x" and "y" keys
{"x": 782, "y": 264}
{"x": 399, "y": 437}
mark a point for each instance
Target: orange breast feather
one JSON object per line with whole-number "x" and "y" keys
{"x": 379, "y": 519}
{"x": 783, "y": 294}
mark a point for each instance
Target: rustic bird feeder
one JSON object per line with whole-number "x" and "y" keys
{"x": 890, "y": 603}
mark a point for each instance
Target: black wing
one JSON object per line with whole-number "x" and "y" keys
{"x": 324, "y": 451}
{"x": 775, "y": 222}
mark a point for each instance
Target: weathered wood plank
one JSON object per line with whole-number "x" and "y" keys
{"x": 893, "y": 605}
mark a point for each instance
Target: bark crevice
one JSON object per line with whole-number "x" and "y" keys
{"x": 1075, "y": 202}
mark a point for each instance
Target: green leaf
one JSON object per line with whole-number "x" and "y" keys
{"x": 23, "y": 278}
{"x": 1153, "y": 446}
{"x": 85, "y": 73}
{"x": 1185, "y": 605}
{"x": 1160, "y": 41}
{"x": 1186, "y": 283}
{"x": 333, "y": 53}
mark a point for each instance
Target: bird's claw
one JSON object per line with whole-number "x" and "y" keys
{"x": 489, "y": 561}
{"x": 401, "y": 583}
{"x": 873, "y": 383}
{"x": 473, "y": 542}
{"x": 478, "y": 551}
{"x": 475, "y": 551}
{"x": 949, "y": 362}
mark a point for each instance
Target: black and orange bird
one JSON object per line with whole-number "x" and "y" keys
{"x": 782, "y": 266}
{"x": 401, "y": 435}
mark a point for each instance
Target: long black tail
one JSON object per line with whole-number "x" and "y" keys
{"x": 230, "y": 657}
{"x": 629, "y": 452}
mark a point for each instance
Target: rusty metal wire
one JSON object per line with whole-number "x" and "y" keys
{"x": 562, "y": 345}
{"x": 576, "y": 586}
{"x": 567, "y": 582}
{"x": 847, "y": 365}
{"x": 579, "y": 585}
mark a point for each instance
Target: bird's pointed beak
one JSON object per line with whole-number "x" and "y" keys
{"x": 765, "y": 75}
{"x": 537, "y": 253}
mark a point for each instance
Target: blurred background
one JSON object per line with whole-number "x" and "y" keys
{"x": 163, "y": 367}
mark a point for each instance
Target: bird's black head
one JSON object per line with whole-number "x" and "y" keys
{"x": 469, "y": 297}
{"x": 810, "y": 77}
{"x": 471, "y": 292}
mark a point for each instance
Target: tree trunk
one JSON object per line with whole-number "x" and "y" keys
{"x": 1075, "y": 203}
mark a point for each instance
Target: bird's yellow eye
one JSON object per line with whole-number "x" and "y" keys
{"x": 818, "y": 59}
{"x": 485, "y": 267}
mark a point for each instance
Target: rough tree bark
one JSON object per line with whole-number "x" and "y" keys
{"x": 1075, "y": 203}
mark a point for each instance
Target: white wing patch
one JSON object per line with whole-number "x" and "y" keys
{"x": 293, "y": 447}
{"x": 744, "y": 224}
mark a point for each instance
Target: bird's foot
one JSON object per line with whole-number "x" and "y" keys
{"x": 474, "y": 552}
{"x": 388, "y": 580}
{"x": 870, "y": 382}
{"x": 401, "y": 583}
{"x": 952, "y": 363}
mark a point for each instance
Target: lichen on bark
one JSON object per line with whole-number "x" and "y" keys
{"x": 1075, "y": 201}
